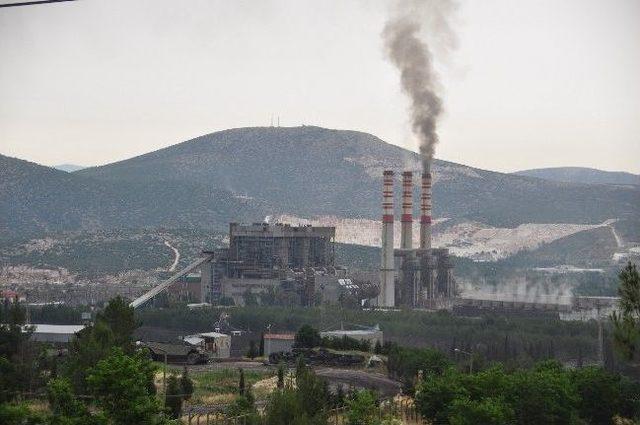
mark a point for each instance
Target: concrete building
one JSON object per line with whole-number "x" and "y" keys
{"x": 216, "y": 345}
{"x": 261, "y": 257}
{"x": 276, "y": 343}
{"x": 264, "y": 256}
{"x": 258, "y": 249}
{"x": 371, "y": 335}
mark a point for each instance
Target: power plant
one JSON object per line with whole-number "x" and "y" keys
{"x": 412, "y": 277}
{"x": 298, "y": 262}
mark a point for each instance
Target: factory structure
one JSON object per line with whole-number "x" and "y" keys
{"x": 292, "y": 262}
{"x": 298, "y": 263}
{"x": 263, "y": 257}
{"x": 413, "y": 277}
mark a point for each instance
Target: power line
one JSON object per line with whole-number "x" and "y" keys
{"x": 31, "y": 3}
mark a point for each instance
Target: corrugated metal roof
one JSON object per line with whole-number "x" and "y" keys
{"x": 212, "y": 335}
{"x": 351, "y": 332}
{"x": 193, "y": 340}
{"x": 56, "y": 329}
{"x": 280, "y": 336}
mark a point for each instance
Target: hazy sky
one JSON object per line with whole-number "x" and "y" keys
{"x": 533, "y": 83}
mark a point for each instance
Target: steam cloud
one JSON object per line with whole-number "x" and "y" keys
{"x": 412, "y": 54}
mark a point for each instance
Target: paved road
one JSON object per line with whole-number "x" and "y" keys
{"x": 258, "y": 366}
{"x": 359, "y": 378}
{"x": 176, "y": 255}
{"x": 352, "y": 377}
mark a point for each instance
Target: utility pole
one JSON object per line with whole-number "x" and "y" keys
{"x": 457, "y": 350}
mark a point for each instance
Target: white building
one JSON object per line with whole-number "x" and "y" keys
{"x": 60, "y": 334}
{"x": 217, "y": 345}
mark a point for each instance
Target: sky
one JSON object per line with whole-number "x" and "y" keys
{"x": 532, "y": 83}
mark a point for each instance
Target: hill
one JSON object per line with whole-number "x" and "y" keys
{"x": 69, "y": 168}
{"x": 582, "y": 175}
{"x": 311, "y": 171}
{"x": 37, "y": 200}
{"x": 246, "y": 174}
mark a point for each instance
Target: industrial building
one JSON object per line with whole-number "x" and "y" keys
{"x": 263, "y": 256}
{"x": 54, "y": 334}
{"x": 217, "y": 345}
{"x": 278, "y": 343}
{"x": 260, "y": 249}
{"x": 298, "y": 261}
{"x": 412, "y": 277}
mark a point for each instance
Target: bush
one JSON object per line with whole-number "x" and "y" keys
{"x": 307, "y": 337}
{"x": 362, "y": 409}
{"x": 545, "y": 394}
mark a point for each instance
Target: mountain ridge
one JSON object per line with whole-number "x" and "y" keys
{"x": 582, "y": 175}
{"x": 245, "y": 174}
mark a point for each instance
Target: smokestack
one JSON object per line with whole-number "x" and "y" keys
{"x": 425, "y": 209}
{"x": 406, "y": 231}
{"x": 386, "y": 298}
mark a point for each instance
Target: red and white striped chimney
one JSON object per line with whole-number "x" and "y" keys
{"x": 425, "y": 211}
{"x": 386, "y": 298}
{"x": 406, "y": 231}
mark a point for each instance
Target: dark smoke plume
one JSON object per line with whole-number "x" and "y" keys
{"x": 412, "y": 55}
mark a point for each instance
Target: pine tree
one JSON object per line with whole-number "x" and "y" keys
{"x": 253, "y": 352}
{"x": 261, "y": 345}
{"x": 627, "y": 322}
{"x": 174, "y": 397}
{"x": 241, "y": 384}
{"x": 378, "y": 348}
{"x": 281, "y": 376}
{"x": 186, "y": 384}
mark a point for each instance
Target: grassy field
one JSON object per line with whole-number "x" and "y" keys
{"x": 219, "y": 386}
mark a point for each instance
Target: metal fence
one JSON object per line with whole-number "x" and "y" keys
{"x": 403, "y": 410}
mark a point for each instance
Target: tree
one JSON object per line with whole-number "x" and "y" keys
{"x": 362, "y": 409}
{"x": 19, "y": 414}
{"x": 281, "y": 376}
{"x": 241, "y": 384}
{"x": 120, "y": 385}
{"x": 339, "y": 397}
{"x": 250, "y": 299}
{"x": 284, "y": 408}
{"x": 312, "y": 391}
{"x": 404, "y": 363}
{"x": 489, "y": 411}
{"x": 227, "y": 301}
{"x": 174, "y": 397}
{"x": 244, "y": 407}
{"x": 67, "y": 409}
{"x": 19, "y": 357}
{"x": 627, "y": 321}
{"x": 62, "y": 400}
{"x": 186, "y": 384}
{"x": 307, "y": 337}
{"x": 91, "y": 345}
{"x": 253, "y": 350}
{"x": 544, "y": 395}
{"x": 435, "y": 396}
{"x": 120, "y": 319}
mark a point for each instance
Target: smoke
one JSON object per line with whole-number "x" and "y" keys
{"x": 415, "y": 30}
